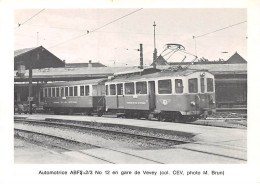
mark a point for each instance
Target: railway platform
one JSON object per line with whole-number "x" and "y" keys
{"x": 213, "y": 144}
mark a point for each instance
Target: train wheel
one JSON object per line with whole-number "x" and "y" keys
{"x": 177, "y": 117}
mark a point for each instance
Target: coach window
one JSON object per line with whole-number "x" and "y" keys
{"x": 57, "y": 92}
{"x": 210, "y": 85}
{"x": 141, "y": 87}
{"x": 81, "y": 89}
{"x": 70, "y": 91}
{"x": 129, "y": 88}
{"x": 193, "y": 85}
{"x": 62, "y": 91}
{"x": 112, "y": 89}
{"x": 66, "y": 91}
{"x": 202, "y": 85}
{"x": 46, "y": 92}
{"x": 165, "y": 86}
{"x": 178, "y": 86}
{"x": 75, "y": 90}
{"x": 86, "y": 90}
{"x": 119, "y": 89}
{"x": 53, "y": 92}
{"x": 49, "y": 92}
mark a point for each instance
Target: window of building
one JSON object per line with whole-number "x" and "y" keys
{"x": 49, "y": 92}
{"x": 70, "y": 91}
{"x": 82, "y": 93}
{"x": 86, "y": 90}
{"x": 202, "y": 85}
{"x": 129, "y": 88}
{"x": 75, "y": 90}
{"x": 62, "y": 91}
{"x": 165, "y": 86}
{"x": 210, "y": 87}
{"x": 119, "y": 89}
{"x": 141, "y": 87}
{"x": 53, "y": 92}
{"x": 57, "y": 92}
{"x": 112, "y": 89}
{"x": 178, "y": 86}
{"x": 193, "y": 85}
{"x": 66, "y": 91}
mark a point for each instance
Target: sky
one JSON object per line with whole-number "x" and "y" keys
{"x": 116, "y": 44}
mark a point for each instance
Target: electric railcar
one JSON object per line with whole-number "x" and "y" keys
{"x": 184, "y": 95}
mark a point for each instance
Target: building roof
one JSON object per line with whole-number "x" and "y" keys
{"x": 36, "y": 58}
{"x": 82, "y": 82}
{"x": 235, "y": 59}
{"x": 79, "y": 65}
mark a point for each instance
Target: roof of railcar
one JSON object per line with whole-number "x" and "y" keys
{"x": 178, "y": 73}
{"x": 69, "y": 83}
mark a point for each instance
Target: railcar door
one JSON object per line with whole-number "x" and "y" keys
{"x": 151, "y": 89}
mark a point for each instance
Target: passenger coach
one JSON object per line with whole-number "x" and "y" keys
{"x": 76, "y": 96}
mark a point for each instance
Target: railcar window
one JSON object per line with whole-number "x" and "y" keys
{"x": 75, "y": 91}
{"x": 70, "y": 91}
{"x": 107, "y": 90}
{"x": 202, "y": 85}
{"x": 193, "y": 85}
{"x": 112, "y": 89}
{"x": 165, "y": 86}
{"x": 178, "y": 86}
{"x": 86, "y": 90}
{"x": 62, "y": 91}
{"x": 46, "y": 92}
{"x": 129, "y": 88}
{"x": 57, "y": 92}
{"x": 82, "y": 91}
{"x": 49, "y": 92}
{"x": 210, "y": 85}
{"x": 119, "y": 89}
{"x": 66, "y": 91}
{"x": 53, "y": 92}
{"x": 141, "y": 87}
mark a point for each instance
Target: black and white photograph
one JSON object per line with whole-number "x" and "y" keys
{"x": 130, "y": 92}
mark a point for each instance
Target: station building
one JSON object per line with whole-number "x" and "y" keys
{"x": 230, "y": 75}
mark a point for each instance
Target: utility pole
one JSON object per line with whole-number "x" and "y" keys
{"x": 155, "y": 50}
{"x": 141, "y": 57}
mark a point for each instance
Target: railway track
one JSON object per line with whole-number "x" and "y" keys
{"x": 153, "y": 139}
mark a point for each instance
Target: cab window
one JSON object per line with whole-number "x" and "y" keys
{"x": 165, "y": 86}
{"x": 129, "y": 88}
{"x": 119, "y": 89}
{"x": 210, "y": 85}
{"x": 193, "y": 85}
{"x": 112, "y": 89}
{"x": 178, "y": 86}
{"x": 141, "y": 87}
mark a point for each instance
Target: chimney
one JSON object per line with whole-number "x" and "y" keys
{"x": 141, "y": 57}
{"x": 89, "y": 63}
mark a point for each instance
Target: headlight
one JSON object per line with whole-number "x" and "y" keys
{"x": 192, "y": 103}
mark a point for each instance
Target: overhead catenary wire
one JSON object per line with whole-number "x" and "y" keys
{"x": 20, "y": 24}
{"x": 88, "y": 32}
